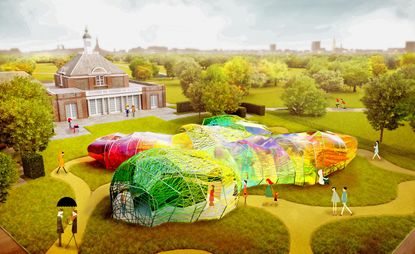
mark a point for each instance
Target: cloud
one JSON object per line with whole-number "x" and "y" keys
{"x": 41, "y": 24}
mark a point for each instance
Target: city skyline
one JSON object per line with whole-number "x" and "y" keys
{"x": 229, "y": 25}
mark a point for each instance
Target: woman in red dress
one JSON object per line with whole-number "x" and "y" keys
{"x": 245, "y": 190}
{"x": 212, "y": 196}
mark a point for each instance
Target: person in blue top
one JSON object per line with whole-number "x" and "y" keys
{"x": 344, "y": 201}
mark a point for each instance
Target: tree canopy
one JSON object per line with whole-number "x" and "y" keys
{"x": 238, "y": 71}
{"x": 302, "y": 97}
{"x": 26, "y": 115}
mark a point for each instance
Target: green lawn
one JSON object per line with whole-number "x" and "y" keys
{"x": 44, "y": 72}
{"x": 367, "y": 185}
{"x": 173, "y": 89}
{"x": 124, "y": 66}
{"x": 245, "y": 230}
{"x": 92, "y": 173}
{"x": 30, "y": 212}
{"x": 398, "y": 145}
{"x": 362, "y": 235}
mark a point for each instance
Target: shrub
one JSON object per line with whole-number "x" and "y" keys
{"x": 33, "y": 165}
{"x": 8, "y": 175}
{"x": 184, "y": 106}
{"x": 241, "y": 112}
{"x": 329, "y": 81}
{"x": 254, "y": 109}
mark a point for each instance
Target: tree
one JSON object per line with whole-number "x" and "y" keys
{"x": 316, "y": 64}
{"x": 408, "y": 104}
{"x": 355, "y": 73}
{"x": 302, "y": 97}
{"x": 26, "y": 115}
{"x": 382, "y": 99}
{"x": 392, "y": 62}
{"x": 169, "y": 64}
{"x": 195, "y": 95}
{"x": 142, "y": 69}
{"x": 20, "y": 65}
{"x": 408, "y": 59}
{"x": 60, "y": 62}
{"x": 274, "y": 71}
{"x": 8, "y": 175}
{"x": 329, "y": 81}
{"x": 218, "y": 95}
{"x": 238, "y": 71}
{"x": 189, "y": 74}
{"x": 377, "y": 65}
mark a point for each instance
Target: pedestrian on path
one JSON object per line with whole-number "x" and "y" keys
{"x": 61, "y": 162}
{"x": 133, "y": 110}
{"x": 337, "y": 102}
{"x": 212, "y": 196}
{"x": 127, "y": 110}
{"x": 376, "y": 150}
{"x": 343, "y": 104}
{"x": 269, "y": 192}
{"x": 344, "y": 201}
{"x": 334, "y": 199}
{"x": 70, "y": 122}
{"x": 59, "y": 226}
{"x": 245, "y": 190}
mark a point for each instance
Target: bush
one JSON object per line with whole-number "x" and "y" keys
{"x": 241, "y": 112}
{"x": 183, "y": 107}
{"x": 329, "y": 81}
{"x": 33, "y": 165}
{"x": 254, "y": 109}
{"x": 8, "y": 175}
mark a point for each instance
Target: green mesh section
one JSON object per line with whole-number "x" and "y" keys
{"x": 167, "y": 184}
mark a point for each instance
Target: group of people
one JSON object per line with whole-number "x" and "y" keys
{"x": 74, "y": 127}
{"x": 72, "y": 220}
{"x": 127, "y": 110}
{"x": 340, "y": 102}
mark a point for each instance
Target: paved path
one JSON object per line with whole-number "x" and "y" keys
{"x": 408, "y": 245}
{"x": 86, "y": 202}
{"x": 62, "y": 128}
{"x": 301, "y": 220}
{"x": 8, "y": 245}
{"x": 328, "y": 109}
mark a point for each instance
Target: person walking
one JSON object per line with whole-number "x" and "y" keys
{"x": 245, "y": 190}
{"x": 61, "y": 162}
{"x": 334, "y": 199}
{"x": 70, "y": 122}
{"x": 127, "y": 110}
{"x": 269, "y": 192}
{"x": 212, "y": 195}
{"x": 133, "y": 110}
{"x": 337, "y": 102}
{"x": 343, "y": 104}
{"x": 344, "y": 201}
{"x": 376, "y": 150}
{"x": 59, "y": 226}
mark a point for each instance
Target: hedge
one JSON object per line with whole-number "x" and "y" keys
{"x": 33, "y": 165}
{"x": 254, "y": 109}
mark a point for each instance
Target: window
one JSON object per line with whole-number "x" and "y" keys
{"x": 153, "y": 101}
{"x": 99, "y": 80}
{"x": 99, "y": 106}
{"x": 137, "y": 105}
{"x": 130, "y": 100}
{"x": 114, "y": 105}
{"x": 92, "y": 108}
{"x": 71, "y": 111}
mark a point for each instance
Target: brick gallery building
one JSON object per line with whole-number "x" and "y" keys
{"x": 90, "y": 85}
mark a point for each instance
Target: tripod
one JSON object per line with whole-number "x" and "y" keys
{"x": 73, "y": 236}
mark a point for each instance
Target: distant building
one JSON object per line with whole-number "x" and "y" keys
{"x": 89, "y": 85}
{"x": 316, "y": 46}
{"x": 410, "y": 46}
{"x": 272, "y": 47}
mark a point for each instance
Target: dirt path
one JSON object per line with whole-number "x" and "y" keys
{"x": 301, "y": 220}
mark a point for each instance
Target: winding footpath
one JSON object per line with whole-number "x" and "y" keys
{"x": 301, "y": 220}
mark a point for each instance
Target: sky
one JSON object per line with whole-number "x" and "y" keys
{"x": 212, "y": 24}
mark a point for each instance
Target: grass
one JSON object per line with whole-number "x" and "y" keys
{"x": 30, "y": 212}
{"x": 362, "y": 235}
{"x": 173, "y": 89}
{"x": 367, "y": 185}
{"x": 398, "y": 146}
{"x": 92, "y": 173}
{"x": 125, "y": 67}
{"x": 44, "y": 72}
{"x": 245, "y": 230}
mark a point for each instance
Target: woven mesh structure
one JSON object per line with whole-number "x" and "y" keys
{"x": 236, "y": 122}
{"x": 170, "y": 185}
